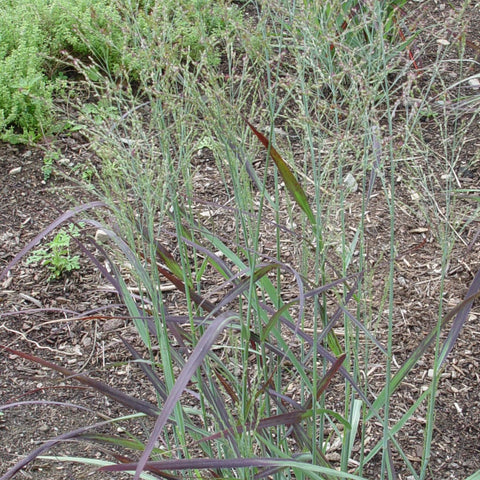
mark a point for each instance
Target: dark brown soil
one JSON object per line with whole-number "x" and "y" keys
{"x": 92, "y": 346}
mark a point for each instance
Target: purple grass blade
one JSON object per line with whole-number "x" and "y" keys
{"x": 49, "y": 444}
{"x": 200, "y": 463}
{"x": 262, "y": 269}
{"x": 270, "y": 471}
{"x": 274, "y": 319}
{"x": 122, "y": 245}
{"x": 460, "y": 319}
{"x": 214, "y": 397}
{"x": 74, "y": 314}
{"x": 300, "y": 433}
{"x": 117, "y": 395}
{"x": 178, "y": 332}
{"x": 325, "y": 381}
{"x": 288, "y": 418}
{"x": 147, "y": 370}
{"x": 101, "y": 268}
{"x": 155, "y": 472}
{"x": 285, "y": 399}
{"x": 34, "y": 311}
{"x": 195, "y": 297}
{"x": 325, "y": 354}
{"x": 305, "y": 441}
{"x": 335, "y": 317}
{"x": 364, "y": 329}
{"x": 217, "y": 261}
{"x": 291, "y": 183}
{"x": 45, "y": 402}
{"x": 255, "y": 337}
{"x": 167, "y": 258}
{"x": 200, "y": 351}
{"x": 58, "y": 221}
{"x": 324, "y": 288}
{"x": 257, "y": 274}
{"x": 415, "y": 356}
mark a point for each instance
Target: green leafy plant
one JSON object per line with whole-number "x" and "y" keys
{"x": 57, "y": 255}
{"x": 37, "y": 36}
{"x": 33, "y": 34}
{"x": 49, "y": 160}
{"x": 199, "y": 26}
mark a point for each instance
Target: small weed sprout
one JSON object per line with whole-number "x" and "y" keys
{"x": 48, "y": 163}
{"x": 57, "y": 256}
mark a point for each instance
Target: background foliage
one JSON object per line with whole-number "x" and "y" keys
{"x": 39, "y": 38}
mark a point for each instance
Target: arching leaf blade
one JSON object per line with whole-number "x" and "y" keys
{"x": 291, "y": 183}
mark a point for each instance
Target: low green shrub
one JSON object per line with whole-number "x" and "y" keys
{"x": 38, "y": 35}
{"x": 34, "y": 33}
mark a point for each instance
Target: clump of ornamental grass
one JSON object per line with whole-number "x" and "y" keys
{"x": 226, "y": 369}
{"x": 263, "y": 410}
{"x": 264, "y": 353}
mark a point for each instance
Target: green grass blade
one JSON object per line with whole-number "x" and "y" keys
{"x": 475, "y": 476}
{"x": 416, "y": 355}
{"x": 291, "y": 182}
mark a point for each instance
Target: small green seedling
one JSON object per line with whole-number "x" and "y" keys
{"x": 57, "y": 255}
{"x": 49, "y": 161}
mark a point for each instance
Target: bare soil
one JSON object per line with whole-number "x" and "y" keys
{"x": 29, "y": 205}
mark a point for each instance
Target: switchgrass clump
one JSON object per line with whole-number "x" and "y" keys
{"x": 249, "y": 192}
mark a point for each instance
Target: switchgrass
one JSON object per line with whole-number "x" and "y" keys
{"x": 250, "y": 188}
